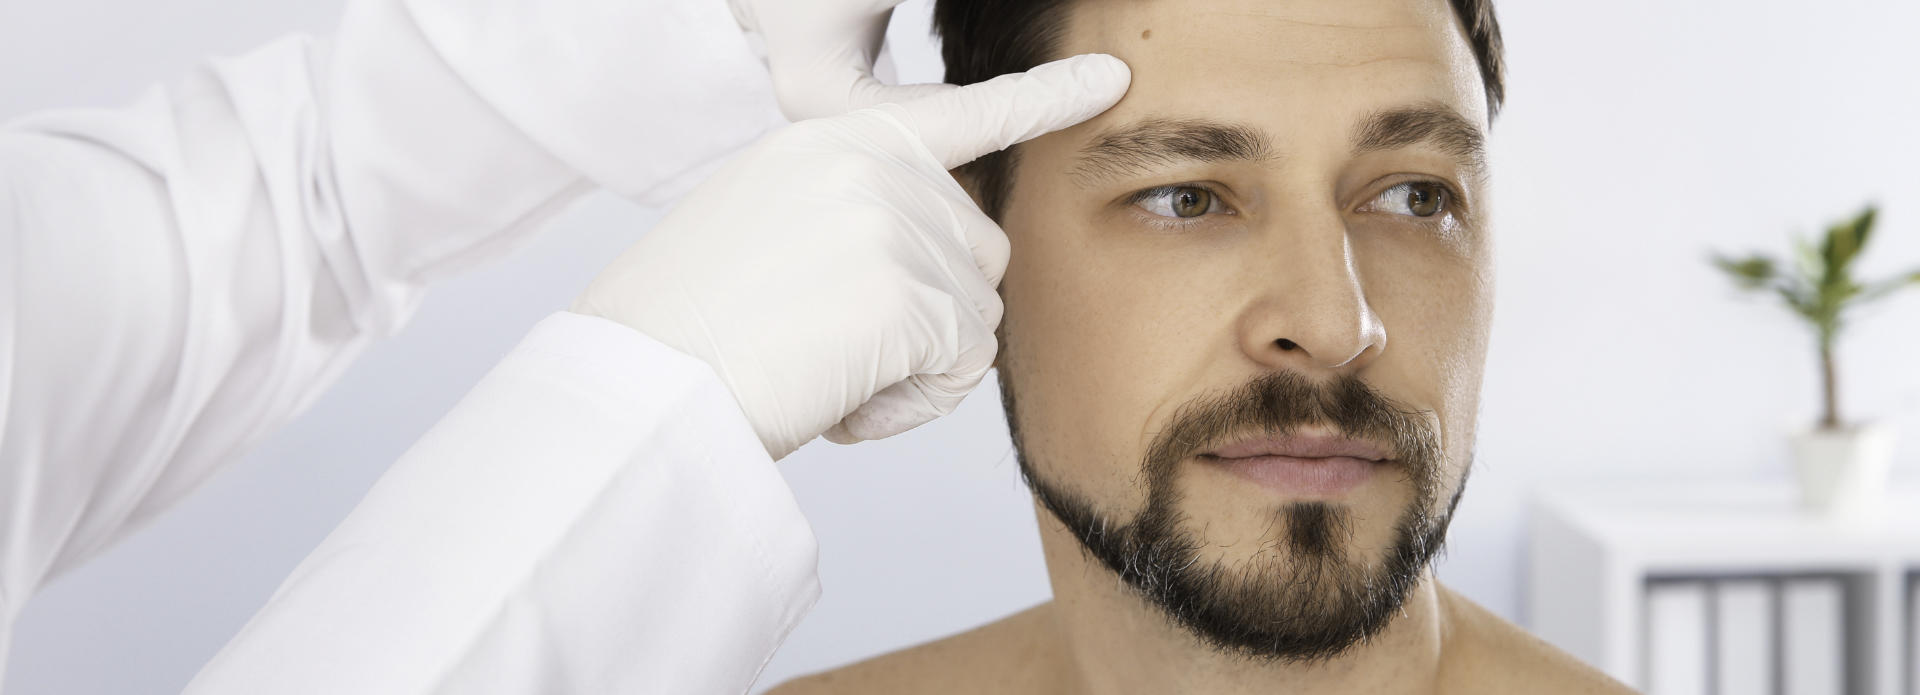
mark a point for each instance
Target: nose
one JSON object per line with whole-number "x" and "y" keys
{"x": 1311, "y": 312}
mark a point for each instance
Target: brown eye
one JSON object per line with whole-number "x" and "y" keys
{"x": 1180, "y": 202}
{"x": 1425, "y": 199}
{"x": 1191, "y": 202}
{"x": 1414, "y": 199}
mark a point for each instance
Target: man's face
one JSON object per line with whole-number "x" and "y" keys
{"x": 1279, "y": 231}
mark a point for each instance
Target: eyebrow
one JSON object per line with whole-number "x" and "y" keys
{"x": 1156, "y": 142}
{"x": 1434, "y": 125}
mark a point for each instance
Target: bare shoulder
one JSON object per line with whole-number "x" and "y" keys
{"x": 1005, "y": 656}
{"x": 1486, "y": 654}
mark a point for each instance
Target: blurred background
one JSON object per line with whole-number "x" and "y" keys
{"x": 1638, "y": 136}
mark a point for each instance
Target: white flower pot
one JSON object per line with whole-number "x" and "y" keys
{"x": 1844, "y": 472}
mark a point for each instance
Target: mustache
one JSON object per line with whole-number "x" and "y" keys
{"x": 1282, "y": 403}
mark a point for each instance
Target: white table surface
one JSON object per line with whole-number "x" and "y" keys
{"x": 1712, "y": 525}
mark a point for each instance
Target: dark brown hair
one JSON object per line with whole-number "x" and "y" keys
{"x": 983, "y": 39}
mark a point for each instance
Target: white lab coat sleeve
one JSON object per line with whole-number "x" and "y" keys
{"x": 596, "y": 516}
{"x": 180, "y": 277}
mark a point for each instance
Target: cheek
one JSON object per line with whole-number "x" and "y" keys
{"x": 1098, "y": 336}
{"x": 1436, "y": 306}
{"x": 1433, "y": 295}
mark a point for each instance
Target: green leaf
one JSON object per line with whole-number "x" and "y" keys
{"x": 1884, "y": 288}
{"x": 1844, "y": 241}
{"x": 1863, "y": 226}
{"x": 1750, "y": 273}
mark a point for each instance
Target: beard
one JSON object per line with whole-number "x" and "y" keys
{"x": 1302, "y": 598}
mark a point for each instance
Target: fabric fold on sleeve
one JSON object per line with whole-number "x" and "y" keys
{"x": 595, "y": 516}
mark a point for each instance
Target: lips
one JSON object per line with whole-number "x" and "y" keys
{"x": 1303, "y": 446}
{"x": 1305, "y": 465}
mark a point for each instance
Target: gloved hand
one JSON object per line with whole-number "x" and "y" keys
{"x": 835, "y": 272}
{"x": 820, "y": 53}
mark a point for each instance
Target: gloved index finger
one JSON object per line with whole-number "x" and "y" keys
{"x": 964, "y": 123}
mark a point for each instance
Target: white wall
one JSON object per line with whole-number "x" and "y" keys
{"x": 1638, "y": 135}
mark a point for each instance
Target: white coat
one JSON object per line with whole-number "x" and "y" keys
{"x": 180, "y": 277}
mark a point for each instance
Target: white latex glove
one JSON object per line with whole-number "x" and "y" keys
{"x": 820, "y": 53}
{"x": 835, "y": 272}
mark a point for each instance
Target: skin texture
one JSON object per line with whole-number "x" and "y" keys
{"x": 1115, "y": 318}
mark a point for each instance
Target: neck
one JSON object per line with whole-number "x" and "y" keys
{"x": 1112, "y": 641}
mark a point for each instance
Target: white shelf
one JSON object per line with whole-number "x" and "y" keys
{"x": 1595, "y": 549}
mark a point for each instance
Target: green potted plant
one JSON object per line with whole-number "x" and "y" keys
{"x": 1843, "y": 465}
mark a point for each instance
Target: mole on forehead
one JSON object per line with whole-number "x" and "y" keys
{"x": 1214, "y": 25}
{"x": 1341, "y": 13}
{"x": 1231, "y": 37}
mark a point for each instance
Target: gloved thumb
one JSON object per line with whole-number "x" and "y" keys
{"x": 961, "y": 124}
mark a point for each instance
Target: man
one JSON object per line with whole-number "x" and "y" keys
{"x": 1245, "y": 322}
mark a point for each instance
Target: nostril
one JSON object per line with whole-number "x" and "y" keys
{"x": 1286, "y": 344}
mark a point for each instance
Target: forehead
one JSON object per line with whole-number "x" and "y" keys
{"x": 1289, "y": 66}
